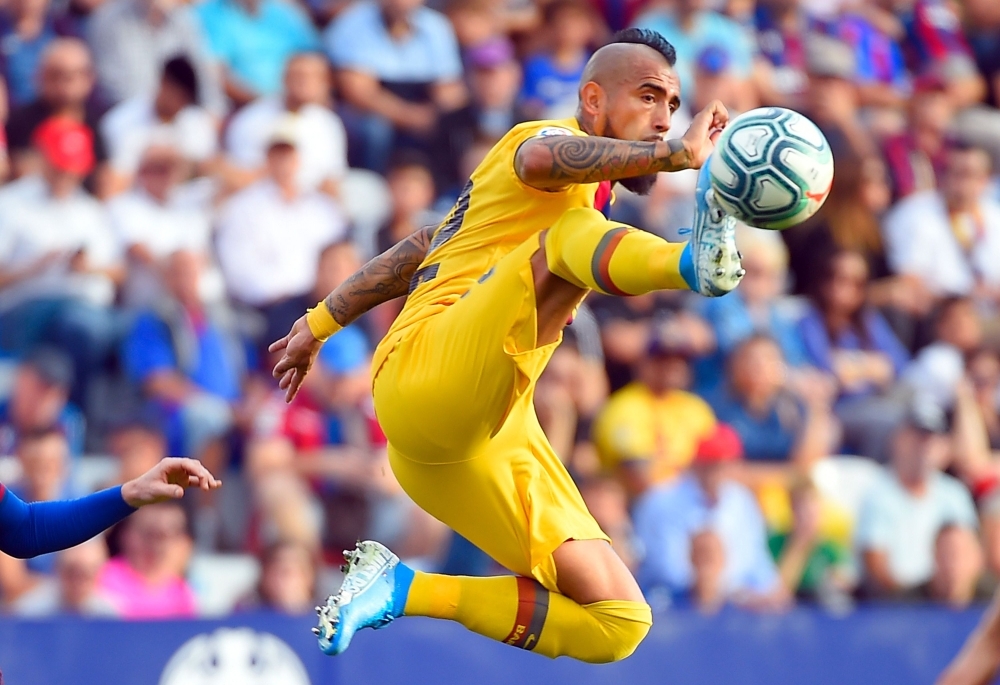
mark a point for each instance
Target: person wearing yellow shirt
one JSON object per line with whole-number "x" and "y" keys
{"x": 650, "y": 429}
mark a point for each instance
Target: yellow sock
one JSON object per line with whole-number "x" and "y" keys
{"x": 520, "y": 612}
{"x": 589, "y": 251}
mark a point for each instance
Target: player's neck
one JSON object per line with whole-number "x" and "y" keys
{"x": 586, "y": 123}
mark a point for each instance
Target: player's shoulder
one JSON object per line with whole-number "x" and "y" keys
{"x": 544, "y": 128}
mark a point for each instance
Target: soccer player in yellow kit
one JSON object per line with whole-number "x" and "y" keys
{"x": 489, "y": 292}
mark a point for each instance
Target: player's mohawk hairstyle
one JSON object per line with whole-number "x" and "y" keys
{"x": 650, "y": 39}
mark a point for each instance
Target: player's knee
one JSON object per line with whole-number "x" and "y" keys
{"x": 625, "y": 625}
{"x": 579, "y": 217}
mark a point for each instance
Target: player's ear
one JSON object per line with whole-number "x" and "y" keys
{"x": 592, "y": 99}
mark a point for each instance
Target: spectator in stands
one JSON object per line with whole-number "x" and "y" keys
{"x": 400, "y": 71}
{"x": 649, "y": 431}
{"x": 914, "y": 517}
{"x": 691, "y": 27}
{"x": 607, "y": 501}
{"x": 947, "y": 239}
{"x": 306, "y": 95}
{"x": 781, "y": 29}
{"x": 707, "y": 498}
{"x": 850, "y": 340}
{"x": 411, "y": 186}
{"x": 495, "y": 77}
{"x": 288, "y": 578}
{"x": 629, "y": 324}
{"x": 832, "y": 100}
{"x": 812, "y": 566}
{"x": 253, "y": 39}
{"x": 73, "y": 590}
{"x": 60, "y": 261}
{"x": 132, "y": 39}
{"x": 708, "y": 567}
{"x": 916, "y": 156}
{"x": 147, "y": 580}
{"x": 73, "y": 17}
{"x": 189, "y": 361}
{"x": 43, "y": 456}
{"x": 65, "y": 89}
{"x": 717, "y": 78}
{"x": 156, "y": 218}
{"x": 940, "y": 366}
{"x": 138, "y": 444}
{"x": 757, "y": 306}
{"x": 171, "y": 112}
{"x": 39, "y": 400}
{"x": 263, "y": 268}
{"x": 778, "y": 421}
{"x": 984, "y": 374}
{"x": 26, "y": 29}
{"x": 552, "y": 76}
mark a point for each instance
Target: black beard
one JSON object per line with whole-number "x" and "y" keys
{"x": 640, "y": 185}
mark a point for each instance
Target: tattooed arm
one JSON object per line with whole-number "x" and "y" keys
{"x": 384, "y": 278}
{"x": 553, "y": 162}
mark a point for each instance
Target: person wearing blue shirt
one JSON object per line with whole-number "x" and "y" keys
{"x": 188, "y": 360}
{"x": 25, "y": 32}
{"x": 853, "y": 342}
{"x": 691, "y": 29}
{"x": 756, "y": 307}
{"x": 778, "y": 421}
{"x": 253, "y": 39}
{"x": 552, "y": 77}
{"x": 40, "y": 400}
{"x": 399, "y": 69}
{"x": 347, "y": 361}
{"x": 27, "y": 530}
{"x": 707, "y": 498}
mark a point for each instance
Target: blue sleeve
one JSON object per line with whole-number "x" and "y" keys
{"x": 533, "y": 71}
{"x": 816, "y": 341}
{"x": 147, "y": 349}
{"x": 27, "y": 530}
{"x": 884, "y": 340}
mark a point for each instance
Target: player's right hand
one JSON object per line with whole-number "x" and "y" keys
{"x": 168, "y": 480}
{"x": 300, "y": 347}
{"x": 705, "y": 129}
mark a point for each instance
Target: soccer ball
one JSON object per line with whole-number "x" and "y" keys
{"x": 772, "y": 168}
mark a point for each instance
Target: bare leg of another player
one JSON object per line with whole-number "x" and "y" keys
{"x": 979, "y": 660}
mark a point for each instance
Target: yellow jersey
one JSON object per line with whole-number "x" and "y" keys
{"x": 495, "y": 213}
{"x": 636, "y": 425}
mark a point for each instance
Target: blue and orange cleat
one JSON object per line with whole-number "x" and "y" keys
{"x": 711, "y": 263}
{"x": 372, "y": 595}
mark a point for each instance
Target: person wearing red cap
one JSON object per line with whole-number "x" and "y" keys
{"x": 60, "y": 262}
{"x": 708, "y": 499}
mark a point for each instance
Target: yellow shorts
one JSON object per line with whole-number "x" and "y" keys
{"x": 454, "y": 397}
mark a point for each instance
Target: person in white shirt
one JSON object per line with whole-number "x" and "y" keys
{"x": 73, "y": 590}
{"x": 270, "y": 235}
{"x": 950, "y": 238}
{"x": 158, "y": 217}
{"x": 323, "y": 161}
{"x": 60, "y": 262}
{"x": 916, "y": 532}
{"x": 173, "y": 109}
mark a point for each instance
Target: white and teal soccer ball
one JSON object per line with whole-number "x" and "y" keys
{"x": 772, "y": 168}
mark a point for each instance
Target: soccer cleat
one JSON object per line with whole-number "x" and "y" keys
{"x": 365, "y": 599}
{"x": 714, "y": 257}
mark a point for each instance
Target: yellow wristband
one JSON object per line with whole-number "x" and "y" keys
{"x": 321, "y": 322}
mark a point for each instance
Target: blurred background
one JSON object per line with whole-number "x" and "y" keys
{"x": 180, "y": 180}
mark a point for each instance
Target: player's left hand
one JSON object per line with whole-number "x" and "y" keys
{"x": 705, "y": 129}
{"x": 300, "y": 347}
{"x": 168, "y": 480}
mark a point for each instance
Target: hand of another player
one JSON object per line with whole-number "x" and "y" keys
{"x": 168, "y": 480}
{"x": 705, "y": 129}
{"x": 300, "y": 347}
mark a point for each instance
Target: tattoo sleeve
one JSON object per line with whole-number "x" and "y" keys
{"x": 563, "y": 160}
{"x": 384, "y": 278}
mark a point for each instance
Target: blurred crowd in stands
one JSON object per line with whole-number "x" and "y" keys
{"x": 181, "y": 180}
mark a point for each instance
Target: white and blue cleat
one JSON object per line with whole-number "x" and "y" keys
{"x": 713, "y": 268}
{"x": 372, "y": 595}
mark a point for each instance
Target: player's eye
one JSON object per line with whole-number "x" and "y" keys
{"x": 649, "y": 98}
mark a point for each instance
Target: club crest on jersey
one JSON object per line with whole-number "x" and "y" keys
{"x": 554, "y": 131}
